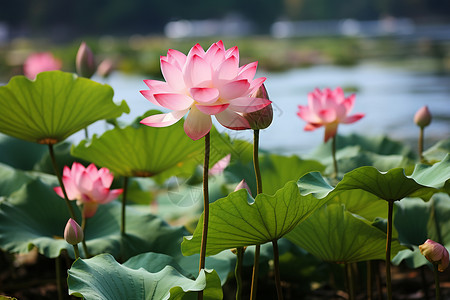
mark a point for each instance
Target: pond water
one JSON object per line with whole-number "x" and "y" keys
{"x": 388, "y": 96}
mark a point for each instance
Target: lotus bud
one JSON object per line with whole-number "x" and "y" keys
{"x": 105, "y": 68}
{"x": 435, "y": 253}
{"x": 243, "y": 185}
{"x": 422, "y": 117}
{"x": 262, "y": 118}
{"x": 85, "y": 62}
{"x": 73, "y": 234}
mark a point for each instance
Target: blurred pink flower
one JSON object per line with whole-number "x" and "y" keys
{"x": 105, "y": 68}
{"x": 204, "y": 84}
{"x": 40, "y": 62}
{"x": 89, "y": 186}
{"x": 328, "y": 108}
{"x": 220, "y": 165}
{"x": 435, "y": 253}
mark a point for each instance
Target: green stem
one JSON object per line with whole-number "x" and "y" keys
{"x": 124, "y": 203}
{"x": 238, "y": 272}
{"x": 333, "y": 154}
{"x": 254, "y": 286}
{"x": 256, "y": 161}
{"x": 388, "y": 250}
{"x": 351, "y": 288}
{"x": 83, "y": 242}
{"x": 421, "y": 144}
{"x": 58, "y": 175}
{"x": 77, "y": 252}
{"x": 436, "y": 281}
{"x": 205, "y": 208}
{"x": 58, "y": 277}
{"x": 276, "y": 269}
{"x": 86, "y": 134}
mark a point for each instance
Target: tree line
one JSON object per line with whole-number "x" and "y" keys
{"x": 149, "y": 16}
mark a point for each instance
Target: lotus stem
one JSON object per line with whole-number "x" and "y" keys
{"x": 436, "y": 281}
{"x": 124, "y": 204}
{"x": 351, "y": 288}
{"x": 77, "y": 251}
{"x": 388, "y": 250}
{"x": 254, "y": 286}
{"x": 83, "y": 242}
{"x": 421, "y": 134}
{"x": 238, "y": 272}
{"x": 58, "y": 175}
{"x": 276, "y": 269}
{"x": 205, "y": 207}
{"x": 256, "y": 161}
{"x": 333, "y": 154}
{"x": 86, "y": 134}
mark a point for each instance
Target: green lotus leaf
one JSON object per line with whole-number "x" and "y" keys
{"x": 20, "y": 154}
{"x": 34, "y": 216}
{"x": 55, "y": 105}
{"x": 438, "y": 151}
{"x": 355, "y": 151}
{"x": 417, "y": 221}
{"x": 391, "y": 186}
{"x": 333, "y": 234}
{"x": 12, "y": 179}
{"x": 101, "y": 277}
{"x": 356, "y": 201}
{"x": 276, "y": 170}
{"x": 433, "y": 175}
{"x": 142, "y": 151}
{"x": 234, "y": 222}
{"x": 395, "y": 185}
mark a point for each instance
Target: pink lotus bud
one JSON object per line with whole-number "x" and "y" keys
{"x": 435, "y": 253}
{"x": 105, "y": 68}
{"x": 73, "y": 234}
{"x": 262, "y": 118}
{"x": 243, "y": 185}
{"x": 85, "y": 62}
{"x": 422, "y": 117}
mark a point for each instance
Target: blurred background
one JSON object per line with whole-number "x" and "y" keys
{"x": 394, "y": 54}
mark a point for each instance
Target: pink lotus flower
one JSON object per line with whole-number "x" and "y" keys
{"x": 89, "y": 186}
{"x": 40, "y": 62}
{"x": 435, "y": 253}
{"x": 328, "y": 108}
{"x": 204, "y": 84}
